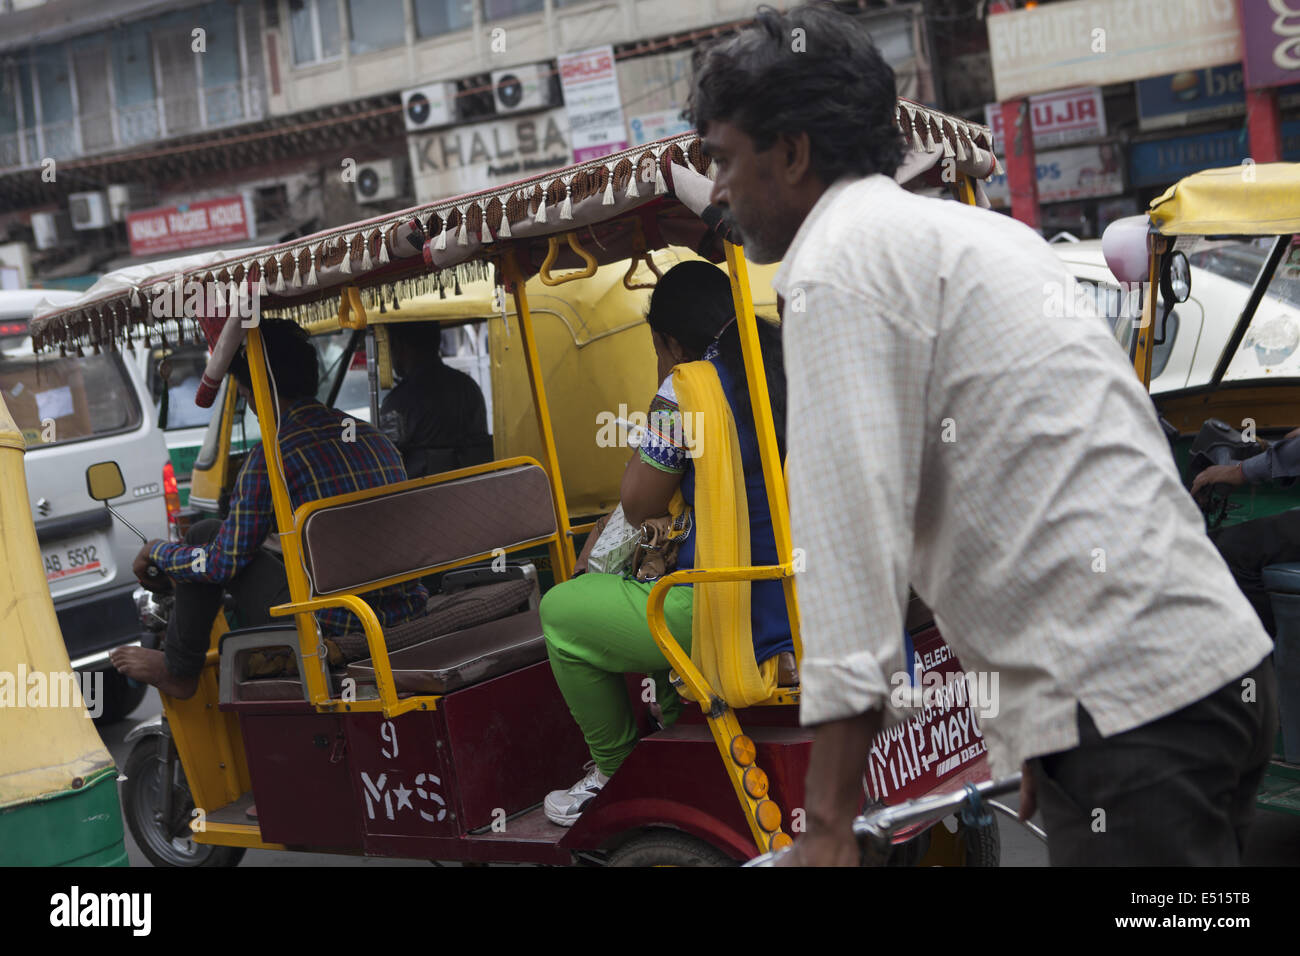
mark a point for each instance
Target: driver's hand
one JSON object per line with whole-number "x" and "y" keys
{"x": 1292, "y": 433}
{"x": 1218, "y": 475}
{"x": 141, "y": 565}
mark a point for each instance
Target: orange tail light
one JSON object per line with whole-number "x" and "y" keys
{"x": 172, "y": 498}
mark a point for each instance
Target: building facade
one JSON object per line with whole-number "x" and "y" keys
{"x": 128, "y": 126}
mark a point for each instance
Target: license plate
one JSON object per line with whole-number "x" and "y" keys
{"x": 74, "y": 557}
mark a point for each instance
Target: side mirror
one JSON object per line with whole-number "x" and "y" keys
{"x": 104, "y": 481}
{"x": 1176, "y": 281}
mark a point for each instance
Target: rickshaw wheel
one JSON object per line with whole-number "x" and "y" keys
{"x": 668, "y": 848}
{"x": 165, "y": 843}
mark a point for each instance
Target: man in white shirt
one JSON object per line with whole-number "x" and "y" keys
{"x": 949, "y": 431}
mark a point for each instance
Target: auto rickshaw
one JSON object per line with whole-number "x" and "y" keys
{"x": 444, "y": 749}
{"x": 1242, "y": 222}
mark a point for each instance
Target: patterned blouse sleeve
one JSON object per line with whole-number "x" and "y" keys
{"x": 664, "y": 446}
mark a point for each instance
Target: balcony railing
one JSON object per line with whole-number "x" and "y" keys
{"x": 176, "y": 115}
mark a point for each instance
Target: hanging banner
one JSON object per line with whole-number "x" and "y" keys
{"x": 1064, "y": 174}
{"x": 212, "y": 222}
{"x": 1056, "y": 119}
{"x": 1098, "y": 42}
{"x": 1271, "y": 29}
{"x": 591, "y": 98}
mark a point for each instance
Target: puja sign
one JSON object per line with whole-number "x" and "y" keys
{"x": 1066, "y": 116}
{"x": 591, "y": 98}
{"x": 1098, "y": 42}
{"x": 1271, "y": 31}
{"x": 212, "y": 222}
{"x": 465, "y": 159}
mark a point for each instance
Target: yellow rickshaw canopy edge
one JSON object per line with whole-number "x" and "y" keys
{"x": 1248, "y": 200}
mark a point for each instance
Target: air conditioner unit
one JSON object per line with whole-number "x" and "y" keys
{"x": 52, "y": 229}
{"x": 429, "y": 106}
{"x": 378, "y": 180}
{"x": 526, "y": 87}
{"x": 88, "y": 210}
{"x": 126, "y": 197}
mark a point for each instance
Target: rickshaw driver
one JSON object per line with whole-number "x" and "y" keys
{"x": 906, "y": 317}
{"x": 436, "y": 415}
{"x": 1251, "y": 546}
{"x": 321, "y": 458}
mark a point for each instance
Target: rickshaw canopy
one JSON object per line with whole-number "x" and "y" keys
{"x": 607, "y": 210}
{"x": 1248, "y": 200}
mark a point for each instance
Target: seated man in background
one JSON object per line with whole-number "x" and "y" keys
{"x": 1251, "y": 546}
{"x": 241, "y": 554}
{"x": 435, "y": 415}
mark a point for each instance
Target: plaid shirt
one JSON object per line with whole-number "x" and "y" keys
{"x": 317, "y": 464}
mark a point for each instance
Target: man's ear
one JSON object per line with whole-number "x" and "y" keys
{"x": 796, "y": 157}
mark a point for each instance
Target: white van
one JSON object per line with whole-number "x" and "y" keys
{"x": 74, "y": 412}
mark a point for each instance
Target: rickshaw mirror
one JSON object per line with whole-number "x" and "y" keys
{"x": 1176, "y": 278}
{"x": 104, "y": 481}
{"x": 1124, "y": 246}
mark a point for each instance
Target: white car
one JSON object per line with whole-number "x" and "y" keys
{"x": 1198, "y": 329}
{"x": 75, "y": 412}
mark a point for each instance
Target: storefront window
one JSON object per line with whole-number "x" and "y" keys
{"x": 436, "y": 17}
{"x": 376, "y": 24}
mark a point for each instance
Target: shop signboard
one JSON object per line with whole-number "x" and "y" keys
{"x": 1195, "y": 96}
{"x": 464, "y": 159}
{"x": 1165, "y": 161}
{"x": 1271, "y": 47}
{"x": 1066, "y": 116}
{"x": 211, "y": 222}
{"x": 590, "y": 86}
{"x": 648, "y": 127}
{"x": 1080, "y": 172}
{"x": 1097, "y": 42}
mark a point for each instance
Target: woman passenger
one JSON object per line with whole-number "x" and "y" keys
{"x": 595, "y": 624}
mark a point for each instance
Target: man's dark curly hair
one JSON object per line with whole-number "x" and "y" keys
{"x": 829, "y": 81}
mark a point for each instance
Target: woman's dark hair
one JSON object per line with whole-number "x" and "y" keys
{"x": 292, "y": 356}
{"x": 813, "y": 70}
{"x": 692, "y": 303}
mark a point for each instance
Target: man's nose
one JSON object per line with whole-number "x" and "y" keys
{"x": 718, "y": 194}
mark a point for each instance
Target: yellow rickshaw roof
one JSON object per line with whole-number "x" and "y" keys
{"x": 646, "y": 197}
{"x": 1246, "y": 200}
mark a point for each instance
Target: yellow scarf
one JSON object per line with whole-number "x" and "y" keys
{"x": 722, "y": 642}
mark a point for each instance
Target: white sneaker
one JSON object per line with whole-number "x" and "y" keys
{"x": 563, "y": 807}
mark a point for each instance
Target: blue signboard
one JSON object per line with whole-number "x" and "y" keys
{"x": 1166, "y": 161}
{"x": 1195, "y": 95}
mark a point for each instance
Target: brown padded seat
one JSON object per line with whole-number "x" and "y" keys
{"x": 447, "y": 663}
{"x": 444, "y": 614}
{"x": 348, "y": 546}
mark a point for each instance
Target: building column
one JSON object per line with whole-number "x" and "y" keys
{"x": 1264, "y": 125}
{"x": 1022, "y": 166}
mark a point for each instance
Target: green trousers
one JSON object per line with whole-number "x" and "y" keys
{"x": 596, "y": 631}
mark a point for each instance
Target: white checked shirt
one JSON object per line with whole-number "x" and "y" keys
{"x": 946, "y": 430}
